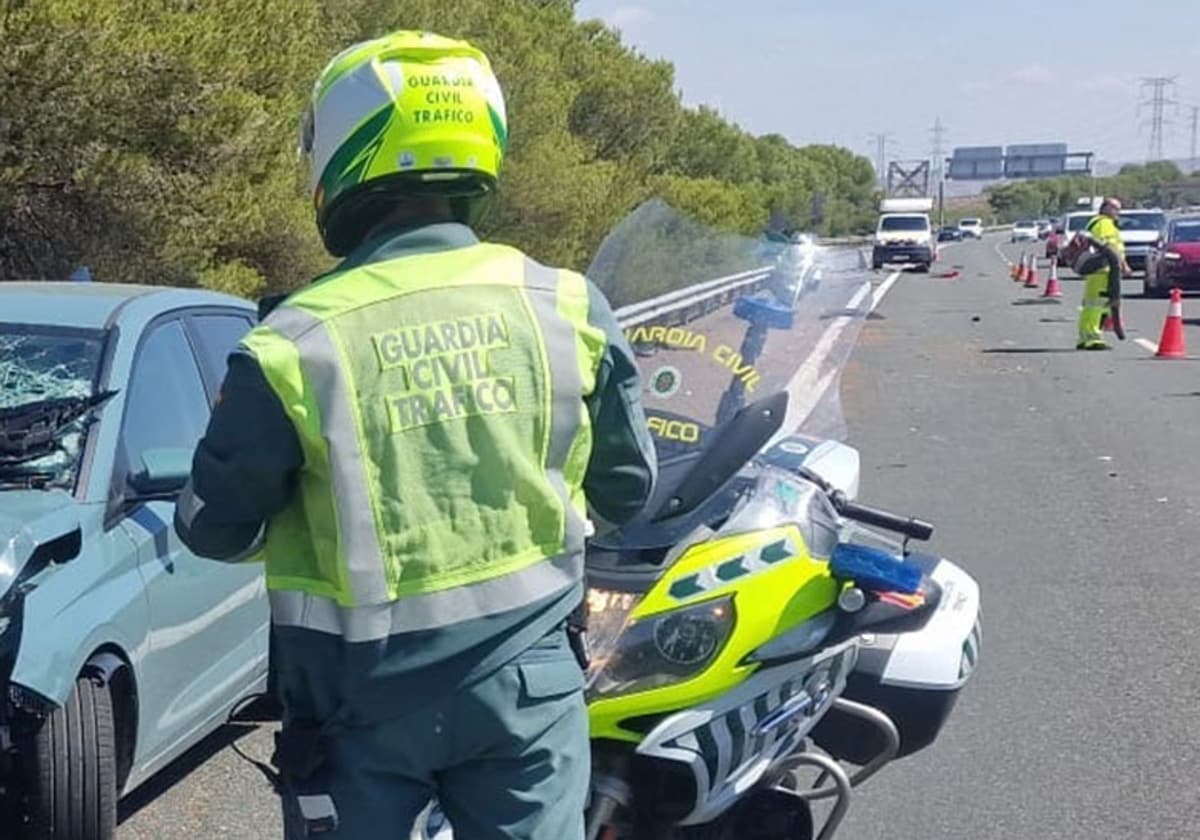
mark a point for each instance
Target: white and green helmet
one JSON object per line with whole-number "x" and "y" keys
{"x": 408, "y": 112}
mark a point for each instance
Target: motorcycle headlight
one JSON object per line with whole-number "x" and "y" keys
{"x": 608, "y": 612}
{"x": 664, "y": 649}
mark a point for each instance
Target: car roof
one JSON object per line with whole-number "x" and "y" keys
{"x": 94, "y": 305}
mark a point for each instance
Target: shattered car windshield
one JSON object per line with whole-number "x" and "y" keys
{"x": 38, "y": 364}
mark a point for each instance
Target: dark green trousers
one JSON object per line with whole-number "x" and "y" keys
{"x": 507, "y": 758}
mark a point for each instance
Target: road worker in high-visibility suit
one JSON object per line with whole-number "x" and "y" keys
{"x": 1101, "y": 288}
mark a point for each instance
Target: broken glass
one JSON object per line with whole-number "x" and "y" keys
{"x": 42, "y": 366}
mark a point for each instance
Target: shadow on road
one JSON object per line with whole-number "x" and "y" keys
{"x": 180, "y": 768}
{"x": 1038, "y": 302}
{"x": 1024, "y": 350}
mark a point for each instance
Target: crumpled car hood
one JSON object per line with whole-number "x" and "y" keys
{"x": 29, "y": 518}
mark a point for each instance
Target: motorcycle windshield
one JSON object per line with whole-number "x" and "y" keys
{"x": 718, "y": 321}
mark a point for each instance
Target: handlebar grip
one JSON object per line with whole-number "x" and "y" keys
{"x": 912, "y": 527}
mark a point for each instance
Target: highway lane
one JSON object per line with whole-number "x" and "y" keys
{"x": 1067, "y": 483}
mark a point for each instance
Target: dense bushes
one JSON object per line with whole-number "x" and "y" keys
{"x": 154, "y": 140}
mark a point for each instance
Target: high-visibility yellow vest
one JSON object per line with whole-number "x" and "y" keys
{"x": 438, "y": 401}
{"x": 1105, "y": 229}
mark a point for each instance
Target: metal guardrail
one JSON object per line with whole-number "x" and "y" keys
{"x": 683, "y": 305}
{"x": 688, "y": 304}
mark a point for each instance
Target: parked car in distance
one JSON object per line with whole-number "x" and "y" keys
{"x": 119, "y": 649}
{"x": 971, "y": 227}
{"x": 1140, "y": 231}
{"x": 1024, "y": 230}
{"x": 1073, "y": 223}
{"x": 949, "y": 233}
{"x": 1044, "y": 227}
{"x": 1174, "y": 261}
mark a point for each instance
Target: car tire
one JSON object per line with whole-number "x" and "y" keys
{"x": 73, "y": 790}
{"x": 923, "y": 268}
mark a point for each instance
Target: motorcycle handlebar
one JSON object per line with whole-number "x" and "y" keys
{"x": 911, "y": 527}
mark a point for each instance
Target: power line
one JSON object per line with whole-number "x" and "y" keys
{"x": 1195, "y": 123}
{"x": 883, "y": 141}
{"x": 1158, "y": 103}
{"x": 938, "y": 150}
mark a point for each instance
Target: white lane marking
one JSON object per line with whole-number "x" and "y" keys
{"x": 1002, "y": 255}
{"x": 883, "y": 289}
{"x": 808, "y": 386}
{"x": 1147, "y": 343}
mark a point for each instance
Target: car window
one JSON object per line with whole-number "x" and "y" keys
{"x": 166, "y": 407}
{"x": 216, "y": 336}
{"x": 1188, "y": 231}
{"x": 1141, "y": 221}
{"x": 904, "y": 223}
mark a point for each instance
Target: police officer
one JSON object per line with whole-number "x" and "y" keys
{"x": 1102, "y": 287}
{"x": 416, "y": 444}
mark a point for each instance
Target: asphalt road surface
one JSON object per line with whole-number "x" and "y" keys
{"x": 1066, "y": 482}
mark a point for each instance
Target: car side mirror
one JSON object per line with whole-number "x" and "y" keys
{"x": 162, "y": 472}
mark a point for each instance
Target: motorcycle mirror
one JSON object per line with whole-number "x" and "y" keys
{"x": 730, "y": 448}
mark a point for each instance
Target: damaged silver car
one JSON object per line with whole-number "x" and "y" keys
{"x": 119, "y": 649}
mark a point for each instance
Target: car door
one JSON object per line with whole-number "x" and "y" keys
{"x": 207, "y": 640}
{"x": 214, "y": 334}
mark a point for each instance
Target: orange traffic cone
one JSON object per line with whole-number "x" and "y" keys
{"x": 1171, "y": 344}
{"x": 1023, "y": 271}
{"x": 1031, "y": 279}
{"x": 1052, "y": 287}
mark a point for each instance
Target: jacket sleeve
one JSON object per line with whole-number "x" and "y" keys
{"x": 244, "y": 468}
{"x": 623, "y": 468}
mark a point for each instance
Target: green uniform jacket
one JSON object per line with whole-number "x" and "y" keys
{"x": 245, "y": 469}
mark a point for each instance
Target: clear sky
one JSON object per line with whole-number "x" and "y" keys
{"x": 995, "y": 73}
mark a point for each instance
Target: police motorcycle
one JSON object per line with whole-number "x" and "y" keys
{"x": 755, "y": 627}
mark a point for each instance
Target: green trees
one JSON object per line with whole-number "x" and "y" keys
{"x": 154, "y": 140}
{"x": 1151, "y": 184}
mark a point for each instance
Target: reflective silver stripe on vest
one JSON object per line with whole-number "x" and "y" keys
{"x": 567, "y": 389}
{"x": 423, "y": 612}
{"x": 357, "y": 530}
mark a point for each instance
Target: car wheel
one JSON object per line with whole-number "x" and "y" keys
{"x": 73, "y": 793}
{"x": 1160, "y": 288}
{"x": 922, "y": 268}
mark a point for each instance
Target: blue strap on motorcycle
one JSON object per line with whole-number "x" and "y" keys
{"x": 873, "y": 569}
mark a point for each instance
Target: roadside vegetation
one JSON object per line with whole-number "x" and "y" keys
{"x": 154, "y": 140}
